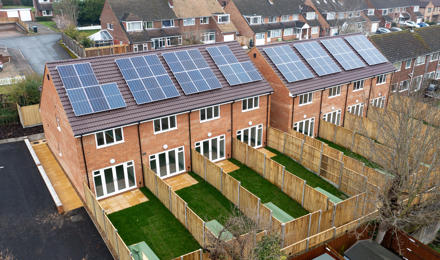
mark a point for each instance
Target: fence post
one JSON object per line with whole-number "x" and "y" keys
{"x": 258, "y": 212}
{"x": 94, "y": 205}
{"x": 284, "y": 172}
{"x": 169, "y": 196}
{"x": 365, "y": 183}
{"x": 246, "y": 157}
{"x": 334, "y": 214}
{"x": 238, "y": 197}
{"x": 284, "y": 142}
{"x": 320, "y": 159}
{"x": 221, "y": 180}
{"x": 356, "y": 208}
{"x": 304, "y": 190}
{"x": 340, "y": 175}
{"x": 103, "y": 220}
{"x": 204, "y": 233}
{"x": 157, "y": 189}
{"x": 270, "y": 219}
{"x": 301, "y": 154}
{"x": 319, "y": 222}
{"x": 363, "y": 206}
{"x": 204, "y": 166}
{"x": 186, "y": 214}
{"x": 307, "y": 245}
{"x": 201, "y": 254}
{"x": 353, "y": 137}
{"x": 283, "y": 234}
{"x": 264, "y": 167}
{"x": 310, "y": 224}
{"x": 117, "y": 244}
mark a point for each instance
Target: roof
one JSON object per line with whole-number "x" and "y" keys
{"x": 421, "y": 41}
{"x": 382, "y": 4}
{"x": 368, "y": 250}
{"x": 423, "y": 3}
{"x": 318, "y": 83}
{"x": 340, "y": 5}
{"x": 145, "y": 10}
{"x": 147, "y": 35}
{"x": 257, "y": 28}
{"x": 107, "y": 71}
{"x": 185, "y": 8}
{"x": 264, "y": 8}
{"x": 340, "y": 22}
{"x": 102, "y": 35}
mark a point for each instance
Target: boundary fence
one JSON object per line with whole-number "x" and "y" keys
{"x": 29, "y": 115}
{"x": 82, "y": 52}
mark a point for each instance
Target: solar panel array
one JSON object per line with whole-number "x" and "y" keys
{"x": 191, "y": 71}
{"x": 147, "y": 79}
{"x": 343, "y": 53}
{"x": 366, "y": 49}
{"x": 288, "y": 63}
{"x": 85, "y": 94}
{"x": 318, "y": 59}
{"x": 235, "y": 72}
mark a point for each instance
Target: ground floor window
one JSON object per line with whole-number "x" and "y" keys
{"x": 357, "y": 109}
{"x": 114, "y": 179}
{"x": 158, "y": 43}
{"x": 378, "y": 102}
{"x": 333, "y": 117}
{"x": 168, "y": 163}
{"x": 208, "y": 37}
{"x": 305, "y": 126}
{"x": 46, "y": 13}
{"x": 213, "y": 148}
{"x": 252, "y": 136}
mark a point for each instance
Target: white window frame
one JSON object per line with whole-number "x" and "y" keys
{"x": 402, "y": 83}
{"x": 331, "y": 16}
{"x": 245, "y": 104}
{"x": 171, "y": 23}
{"x": 315, "y": 30}
{"x": 131, "y": 24}
{"x": 378, "y": 102}
{"x": 305, "y": 99}
{"x": 155, "y": 158}
{"x": 310, "y": 125}
{"x": 147, "y": 23}
{"x": 110, "y": 26}
{"x": 381, "y": 79}
{"x": 358, "y": 85}
{"x": 160, "y": 121}
{"x": 408, "y": 63}
{"x": 285, "y": 18}
{"x": 135, "y": 47}
{"x": 333, "y": 117}
{"x": 100, "y": 173}
{"x": 370, "y": 12}
{"x": 253, "y": 19}
{"x": 206, "y": 109}
{"x": 277, "y": 33}
{"x": 434, "y": 56}
{"x": 310, "y": 16}
{"x": 295, "y": 17}
{"x": 288, "y": 32}
{"x": 206, "y": 37}
{"x": 258, "y": 138}
{"x": 419, "y": 60}
{"x": 204, "y": 20}
{"x": 417, "y": 83}
{"x": 271, "y": 19}
{"x": 189, "y": 21}
{"x": 394, "y": 87}
{"x": 397, "y": 65}
{"x": 105, "y": 140}
{"x": 220, "y": 138}
{"x": 334, "y": 91}
{"x": 219, "y": 19}
{"x": 260, "y": 36}
{"x": 357, "y": 109}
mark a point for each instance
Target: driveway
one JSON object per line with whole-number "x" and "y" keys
{"x": 30, "y": 227}
{"x": 38, "y": 49}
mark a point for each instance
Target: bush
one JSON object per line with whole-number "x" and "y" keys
{"x": 26, "y": 92}
{"x": 81, "y": 37}
{"x": 43, "y": 18}
{"x": 90, "y": 11}
{"x": 8, "y": 116}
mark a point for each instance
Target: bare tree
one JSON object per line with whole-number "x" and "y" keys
{"x": 6, "y": 255}
{"x": 66, "y": 12}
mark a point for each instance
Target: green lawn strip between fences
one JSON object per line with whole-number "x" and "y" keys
{"x": 266, "y": 191}
{"x": 351, "y": 154}
{"x": 312, "y": 179}
{"x": 153, "y": 223}
{"x": 206, "y": 201}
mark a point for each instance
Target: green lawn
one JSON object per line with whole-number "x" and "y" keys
{"x": 351, "y": 154}
{"x": 266, "y": 191}
{"x": 311, "y": 178}
{"x": 206, "y": 201}
{"x": 51, "y": 24}
{"x": 152, "y": 222}
{"x": 89, "y": 32}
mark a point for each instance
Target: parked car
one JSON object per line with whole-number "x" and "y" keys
{"x": 432, "y": 91}
{"x": 381, "y": 30}
{"x": 395, "y": 29}
{"x": 411, "y": 24}
{"x": 423, "y": 24}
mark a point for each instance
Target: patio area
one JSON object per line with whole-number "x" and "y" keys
{"x": 123, "y": 201}
{"x": 180, "y": 181}
{"x": 227, "y": 166}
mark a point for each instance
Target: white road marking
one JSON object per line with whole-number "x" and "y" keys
{"x": 1, "y": 167}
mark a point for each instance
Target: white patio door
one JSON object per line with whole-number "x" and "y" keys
{"x": 115, "y": 179}
{"x": 168, "y": 163}
{"x": 253, "y": 136}
{"x": 213, "y": 148}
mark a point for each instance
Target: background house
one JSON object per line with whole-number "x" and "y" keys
{"x": 430, "y": 10}
{"x": 43, "y": 7}
{"x": 395, "y": 11}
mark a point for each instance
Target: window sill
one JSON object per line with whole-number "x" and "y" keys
{"x": 357, "y": 90}
{"x": 252, "y": 109}
{"x": 305, "y": 104}
{"x": 335, "y": 96}
{"x": 164, "y": 131}
{"x": 207, "y": 120}
{"x": 107, "y": 145}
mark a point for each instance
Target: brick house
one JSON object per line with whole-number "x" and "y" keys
{"x": 161, "y": 23}
{"x": 107, "y": 149}
{"x": 430, "y": 10}
{"x": 415, "y": 57}
{"x": 395, "y": 11}
{"x": 342, "y": 17}
{"x": 261, "y": 21}
{"x": 43, "y": 7}
{"x": 302, "y": 97}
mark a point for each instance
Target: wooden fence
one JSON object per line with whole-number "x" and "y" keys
{"x": 82, "y": 52}
{"x": 105, "y": 227}
{"x": 29, "y": 115}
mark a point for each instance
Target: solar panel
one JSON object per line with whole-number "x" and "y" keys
{"x": 288, "y": 63}
{"x": 235, "y": 72}
{"x": 191, "y": 71}
{"x": 366, "y": 49}
{"x": 318, "y": 59}
{"x": 343, "y": 53}
{"x": 85, "y": 93}
{"x": 147, "y": 79}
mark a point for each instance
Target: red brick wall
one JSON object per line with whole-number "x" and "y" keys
{"x": 302, "y": 112}
{"x": 108, "y": 16}
{"x": 330, "y": 104}
{"x": 239, "y": 21}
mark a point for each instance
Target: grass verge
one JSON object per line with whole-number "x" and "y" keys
{"x": 311, "y": 178}
{"x": 351, "y": 154}
{"x": 206, "y": 201}
{"x": 152, "y": 222}
{"x": 266, "y": 191}
{"x": 51, "y": 24}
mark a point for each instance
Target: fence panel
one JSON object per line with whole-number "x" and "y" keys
{"x": 191, "y": 256}
{"x": 195, "y": 226}
{"x": 213, "y": 174}
{"x": 314, "y": 200}
{"x": 275, "y": 138}
{"x": 293, "y": 147}
{"x": 293, "y": 186}
{"x": 255, "y": 160}
{"x": 163, "y": 192}
{"x": 330, "y": 169}
{"x": 327, "y": 130}
{"x": 198, "y": 164}
{"x": 326, "y": 218}
{"x": 315, "y": 223}
{"x": 150, "y": 179}
{"x": 353, "y": 164}
{"x": 274, "y": 173}
{"x": 346, "y": 210}
{"x": 29, "y": 115}
{"x": 300, "y": 246}
{"x": 249, "y": 204}
{"x": 331, "y": 152}
{"x": 312, "y": 141}
{"x": 311, "y": 158}
{"x": 352, "y": 183}
{"x": 265, "y": 217}
{"x": 230, "y": 188}
{"x": 321, "y": 237}
{"x": 239, "y": 150}
{"x": 296, "y": 230}
{"x": 178, "y": 207}
{"x": 344, "y": 137}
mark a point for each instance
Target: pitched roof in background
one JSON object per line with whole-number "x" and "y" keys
{"x": 398, "y": 46}
{"x": 145, "y": 10}
{"x": 146, "y": 35}
{"x": 424, "y": 3}
{"x": 273, "y": 26}
{"x": 265, "y": 8}
{"x": 107, "y": 71}
{"x": 321, "y": 82}
{"x": 340, "y": 22}
{"x": 339, "y": 5}
{"x": 381, "y": 4}
{"x": 368, "y": 249}
{"x": 196, "y": 8}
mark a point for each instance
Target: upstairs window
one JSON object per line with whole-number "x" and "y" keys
{"x": 334, "y": 91}
{"x": 416, "y": 8}
{"x": 306, "y": 98}
{"x": 250, "y": 103}
{"x": 209, "y": 113}
{"x": 274, "y": 33}
{"x": 384, "y": 11}
{"x": 331, "y": 16}
{"x": 167, "y": 23}
{"x": 134, "y": 26}
{"x": 420, "y": 60}
{"x": 204, "y": 20}
{"x": 408, "y": 64}
{"x": 164, "y": 124}
{"x": 315, "y": 30}
{"x": 295, "y": 17}
{"x": 224, "y": 18}
{"x": 310, "y": 15}
{"x": 109, "y": 137}
{"x": 189, "y": 22}
{"x": 398, "y": 65}
{"x": 435, "y": 56}
{"x": 253, "y": 19}
{"x": 341, "y": 15}
{"x": 149, "y": 25}
{"x": 285, "y": 18}
{"x": 358, "y": 85}
{"x": 272, "y": 19}
{"x": 381, "y": 79}
{"x": 370, "y": 12}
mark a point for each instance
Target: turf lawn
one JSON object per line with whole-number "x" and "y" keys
{"x": 206, "y": 201}
{"x": 311, "y": 178}
{"x": 153, "y": 223}
{"x": 266, "y": 191}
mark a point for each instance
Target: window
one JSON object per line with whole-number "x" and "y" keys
{"x": 341, "y": 15}
{"x": 416, "y": 8}
{"x": 437, "y": 75}
{"x": 310, "y": 15}
{"x": 253, "y": 136}
{"x": 168, "y": 163}
{"x": 213, "y": 148}
{"x": 274, "y": 33}
{"x": 315, "y": 30}
{"x": 404, "y": 85}
{"x": 109, "y": 26}
{"x": 420, "y": 60}
{"x": 259, "y": 36}
{"x": 358, "y": 85}
{"x": 381, "y": 79}
{"x": 429, "y": 10}
{"x": 189, "y": 21}
{"x": 204, "y": 20}
{"x": 378, "y": 102}
{"x": 134, "y": 26}
{"x": 397, "y": 65}
{"x": 47, "y": 12}
{"x": 384, "y": 11}
{"x": 164, "y": 124}
{"x": 417, "y": 83}
{"x": 331, "y": 16}
{"x": 250, "y": 103}
{"x": 408, "y": 63}
{"x": 253, "y": 19}
{"x": 135, "y": 47}
{"x": 167, "y": 23}
{"x": 288, "y": 32}
{"x": 145, "y": 46}
{"x": 434, "y": 56}
{"x": 357, "y": 109}
{"x": 333, "y": 117}
{"x": 305, "y": 126}
{"x": 284, "y": 18}
{"x": 208, "y": 37}
{"x": 149, "y": 25}
{"x": 334, "y": 91}
{"x": 114, "y": 179}
{"x": 306, "y": 98}
{"x": 370, "y": 12}
{"x": 109, "y": 137}
{"x": 209, "y": 113}
{"x": 223, "y": 18}
{"x": 295, "y": 17}
{"x": 394, "y": 87}
{"x": 272, "y": 19}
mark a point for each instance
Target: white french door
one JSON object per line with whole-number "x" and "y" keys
{"x": 253, "y": 136}
{"x": 305, "y": 126}
{"x": 333, "y": 117}
{"x": 213, "y": 148}
{"x": 114, "y": 179}
{"x": 168, "y": 163}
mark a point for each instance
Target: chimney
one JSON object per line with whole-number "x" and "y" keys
{"x": 170, "y": 3}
